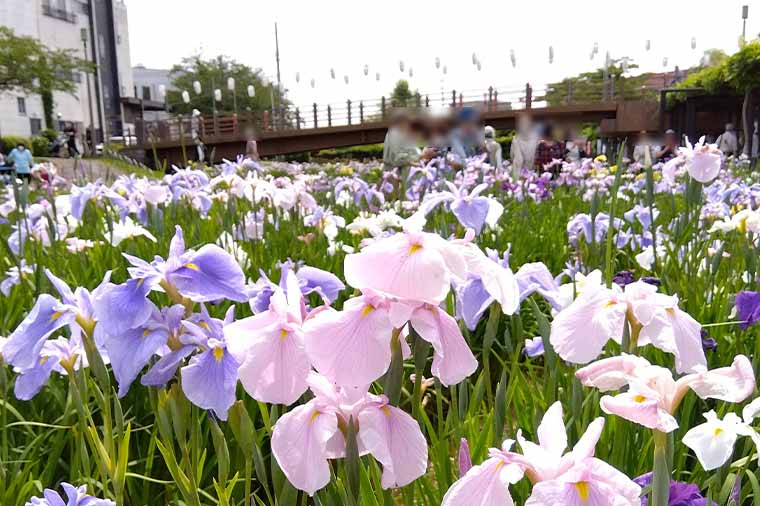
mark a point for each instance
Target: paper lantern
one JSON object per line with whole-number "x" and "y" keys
{"x": 218, "y": 95}
{"x": 649, "y": 45}
{"x": 551, "y": 54}
{"x": 401, "y": 66}
{"x": 298, "y": 77}
{"x": 513, "y": 57}
{"x": 366, "y": 70}
{"x": 437, "y": 62}
{"x": 231, "y": 83}
{"x": 312, "y": 83}
{"x": 197, "y": 87}
{"x": 251, "y": 91}
{"x": 332, "y": 73}
{"x": 186, "y": 97}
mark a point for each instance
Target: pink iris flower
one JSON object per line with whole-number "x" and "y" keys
{"x": 306, "y": 438}
{"x": 415, "y": 266}
{"x": 270, "y": 347}
{"x": 575, "y": 477}
{"x": 580, "y": 331}
{"x": 653, "y": 396}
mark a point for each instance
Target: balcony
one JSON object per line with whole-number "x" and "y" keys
{"x": 58, "y": 13}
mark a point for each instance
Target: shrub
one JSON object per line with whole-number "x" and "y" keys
{"x": 50, "y": 134}
{"x": 40, "y": 146}
{"x": 11, "y": 141}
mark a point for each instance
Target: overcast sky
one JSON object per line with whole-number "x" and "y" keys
{"x": 317, "y": 35}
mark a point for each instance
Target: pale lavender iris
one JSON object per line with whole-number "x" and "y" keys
{"x": 14, "y": 276}
{"x": 470, "y": 208}
{"x": 53, "y": 354}
{"x": 75, "y": 496}
{"x": 310, "y": 280}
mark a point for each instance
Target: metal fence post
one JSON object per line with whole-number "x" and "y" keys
{"x": 496, "y": 99}
{"x": 298, "y": 119}
{"x": 348, "y": 104}
{"x": 382, "y": 107}
{"x": 361, "y": 111}
{"x": 329, "y": 115}
{"x": 490, "y": 98}
{"x": 314, "y": 109}
{"x": 427, "y": 101}
{"x": 528, "y": 96}
{"x": 453, "y": 98}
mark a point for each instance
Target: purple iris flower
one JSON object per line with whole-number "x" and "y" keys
{"x": 708, "y": 343}
{"x": 681, "y": 494}
{"x": 748, "y": 307}
{"x": 14, "y": 275}
{"x": 534, "y": 347}
{"x": 205, "y": 275}
{"x": 52, "y": 355}
{"x": 76, "y": 496}
{"x": 48, "y": 315}
{"x": 580, "y": 226}
{"x": 623, "y": 278}
{"x": 470, "y": 208}
{"x": 310, "y": 280}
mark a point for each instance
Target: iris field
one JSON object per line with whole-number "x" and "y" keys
{"x": 337, "y": 334}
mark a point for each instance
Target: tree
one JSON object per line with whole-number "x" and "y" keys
{"x": 213, "y": 74}
{"x": 31, "y": 67}
{"x": 402, "y": 95}
{"x": 743, "y": 72}
{"x": 593, "y": 87}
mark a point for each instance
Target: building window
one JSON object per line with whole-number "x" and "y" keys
{"x": 21, "y": 106}
{"x": 118, "y": 39}
{"x": 57, "y": 9}
{"x": 36, "y": 125}
{"x": 146, "y": 92}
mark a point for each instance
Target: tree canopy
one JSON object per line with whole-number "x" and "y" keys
{"x": 402, "y": 95}
{"x": 29, "y": 66}
{"x": 736, "y": 74}
{"x": 213, "y": 74}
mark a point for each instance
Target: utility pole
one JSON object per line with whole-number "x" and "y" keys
{"x": 89, "y": 145}
{"x": 277, "y": 59}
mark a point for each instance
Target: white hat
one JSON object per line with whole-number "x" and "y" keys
{"x": 489, "y": 131}
{"x": 196, "y": 112}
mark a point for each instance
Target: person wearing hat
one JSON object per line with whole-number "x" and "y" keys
{"x": 195, "y": 131}
{"x": 467, "y": 136}
{"x": 728, "y": 142}
{"x": 493, "y": 148}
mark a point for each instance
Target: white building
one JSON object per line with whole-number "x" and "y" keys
{"x": 62, "y": 24}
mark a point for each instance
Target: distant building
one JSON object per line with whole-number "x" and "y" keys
{"x": 61, "y": 24}
{"x": 147, "y": 83}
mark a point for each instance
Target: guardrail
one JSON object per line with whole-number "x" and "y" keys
{"x": 361, "y": 111}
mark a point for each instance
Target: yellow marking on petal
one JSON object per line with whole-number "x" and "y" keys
{"x": 367, "y": 310}
{"x": 192, "y": 266}
{"x": 218, "y": 354}
{"x": 204, "y": 325}
{"x": 140, "y": 282}
{"x": 146, "y": 332}
{"x": 639, "y": 398}
{"x": 610, "y": 303}
{"x": 43, "y": 360}
{"x": 499, "y": 465}
{"x": 314, "y": 416}
{"x": 718, "y": 432}
{"x": 387, "y": 411}
{"x": 414, "y": 248}
{"x": 56, "y": 315}
{"x": 583, "y": 489}
{"x": 283, "y": 334}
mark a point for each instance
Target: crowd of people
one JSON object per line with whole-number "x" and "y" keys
{"x": 412, "y": 138}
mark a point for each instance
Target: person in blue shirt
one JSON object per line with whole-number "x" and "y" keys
{"x": 22, "y": 161}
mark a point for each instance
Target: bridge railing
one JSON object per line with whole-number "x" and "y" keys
{"x": 361, "y": 111}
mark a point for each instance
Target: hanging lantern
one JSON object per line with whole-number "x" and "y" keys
{"x": 513, "y": 57}
{"x": 345, "y": 79}
{"x": 596, "y": 47}
{"x": 231, "y": 83}
{"x": 186, "y": 97}
{"x": 411, "y": 72}
{"x": 445, "y": 70}
{"x": 665, "y": 62}
{"x": 377, "y": 76}
{"x": 312, "y": 83}
{"x": 218, "y": 95}
{"x": 694, "y": 43}
{"x": 298, "y": 77}
{"x": 401, "y": 65}
{"x": 551, "y": 54}
{"x": 479, "y": 66}
{"x": 649, "y": 44}
{"x": 332, "y": 73}
{"x": 251, "y": 91}
{"x": 474, "y": 59}
{"x": 197, "y": 87}
{"x": 437, "y": 62}
{"x": 366, "y": 70}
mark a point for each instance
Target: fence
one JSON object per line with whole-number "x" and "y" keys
{"x": 361, "y": 111}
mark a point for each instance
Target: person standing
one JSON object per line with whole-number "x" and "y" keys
{"x": 644, "y": 151}
{"x": 493, "y": 148}
{"x": 523, "y": 148}
{"x": 670, "y": 149}
{"x": 195, "y": 132}
{"x": 548, "y": 150}
{"x": 71, "y": 143}
{"x": 728, "y": 142}
{"x": 22, "y": 161}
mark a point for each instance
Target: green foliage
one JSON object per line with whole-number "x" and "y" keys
{"x": 369, "y": 151}
{"x": 11, "y": 141}
{"x": 50, "y": 134}
{"x": 734, "y": 75}
{"x": 402, "y": 95}
{"x": 39, "y": 146}
{"x": 213, "y": 74}
{"x": 29, "y": 66}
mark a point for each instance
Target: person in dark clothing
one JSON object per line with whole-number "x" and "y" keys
{"x": 71, "y": 144}
{"x": 548, "y": 149}
{"x": 670, "y": 149}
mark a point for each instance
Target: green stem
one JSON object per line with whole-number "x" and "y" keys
{"x": 661, "y": 473}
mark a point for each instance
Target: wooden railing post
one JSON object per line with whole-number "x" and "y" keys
{"x": 453, "y": 98}
{"x": 417, "y": 100}
{"x": 298, "y": 119}
{"x": 361, "y": 112}
{"x": 427, "y": 101}
{"x": 528, "y": 96}
{"x": 382, "y": 107}
{"x": 314, "y": 110}
{"x": 329, "y": 115}
{"x": 490, "y": 98}
{"x": 496, "y": 99}
{"x": 348, "y": 105}
{"x": 461, "y": 99}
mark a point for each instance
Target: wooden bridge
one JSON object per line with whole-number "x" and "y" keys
{"x": 366, "y": 122}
